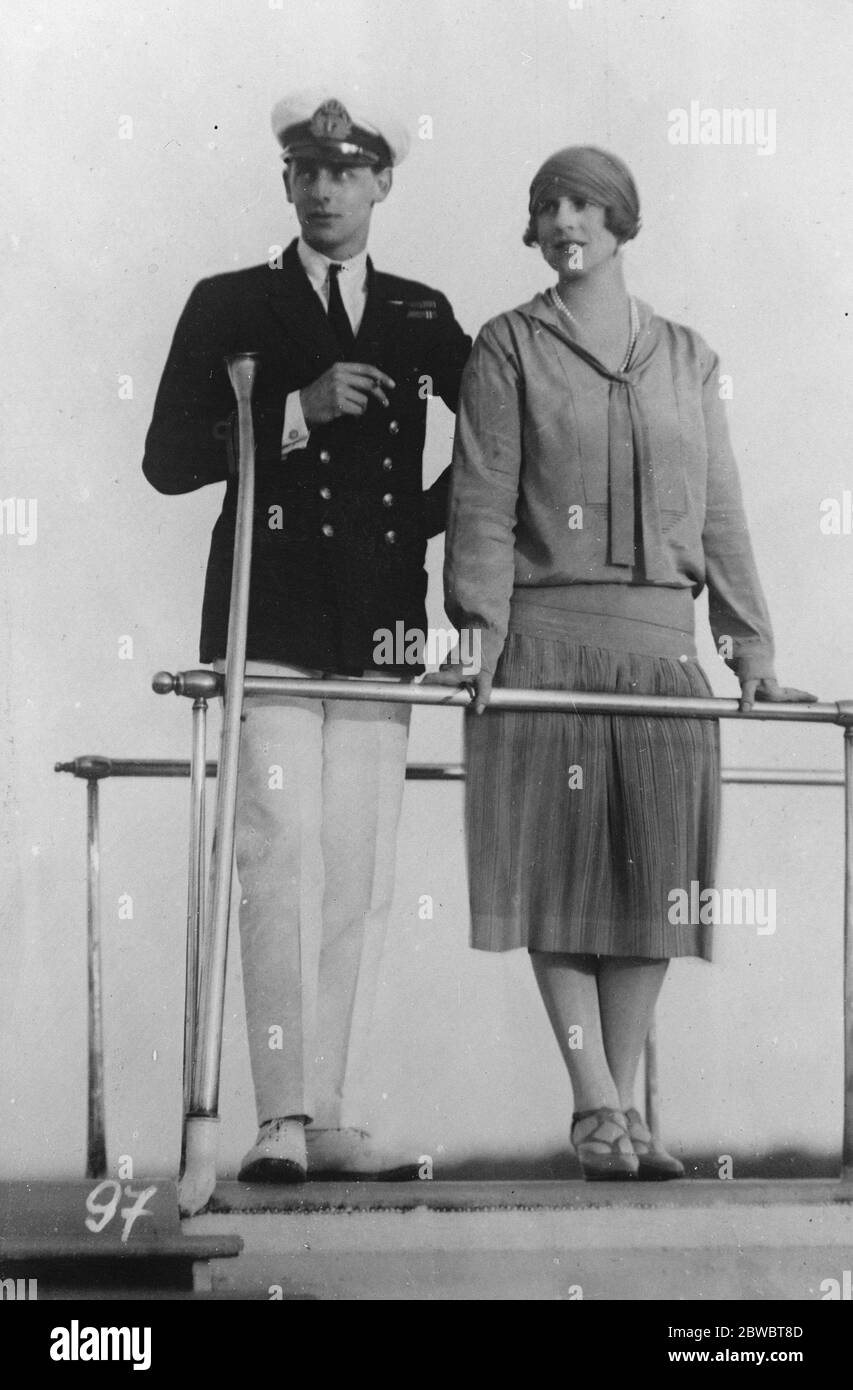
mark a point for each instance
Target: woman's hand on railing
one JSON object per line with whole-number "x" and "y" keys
{"x": 455, "y": 672}
{"x": 771, "y": 691}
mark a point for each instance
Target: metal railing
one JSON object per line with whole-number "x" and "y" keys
{"x": 200, "y": 686}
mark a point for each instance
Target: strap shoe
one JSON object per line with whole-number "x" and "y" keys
{"x": 603, "y": 1146}
{"x": 656, "y": 1165}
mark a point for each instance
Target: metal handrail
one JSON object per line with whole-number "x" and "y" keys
{"x": 198, "y": 684}
{"x": 201, "y": 685}
{"x": 97, "y": 767}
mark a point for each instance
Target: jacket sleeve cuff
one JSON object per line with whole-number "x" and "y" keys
{"x": 753, "y": 665}
{"x": 491, "y": 645}
{"x": 295, "y": 432}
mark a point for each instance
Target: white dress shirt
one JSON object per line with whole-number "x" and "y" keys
{"x": 353, "y": 285}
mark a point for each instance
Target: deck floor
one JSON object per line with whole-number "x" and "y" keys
{"x": 489, "y": 1195}
{"x": 694, "y": 1240}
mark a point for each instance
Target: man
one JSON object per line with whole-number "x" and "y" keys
{"x": 348, "y": 358}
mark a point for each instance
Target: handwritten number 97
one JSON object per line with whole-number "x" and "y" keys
{"x": 103, "y": 1211}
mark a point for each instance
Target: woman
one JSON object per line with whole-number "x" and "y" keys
{"x": 594, "y": 493}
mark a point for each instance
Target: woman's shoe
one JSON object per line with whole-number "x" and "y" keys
{"x": 656, "y": 1165}
{"x": 603, "y": 1145}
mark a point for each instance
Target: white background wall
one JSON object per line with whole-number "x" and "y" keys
{"x": 104, "y": 239}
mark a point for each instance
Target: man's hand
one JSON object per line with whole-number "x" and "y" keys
{"x": 456, "y": 673}
{"x": 770, "y": 690}
{"x": 344, "y": 389}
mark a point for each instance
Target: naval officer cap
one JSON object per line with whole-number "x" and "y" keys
{"x": 343, "y": 128}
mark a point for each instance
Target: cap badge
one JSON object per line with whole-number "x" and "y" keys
{"x": 331, "y": 121}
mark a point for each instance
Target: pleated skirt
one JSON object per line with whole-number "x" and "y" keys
{"x": 582, "y": 828}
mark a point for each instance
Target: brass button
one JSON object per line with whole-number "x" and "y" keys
{"x": 388, "y": 499}
{"x": 325, "y": 493}
{"x": 387, "y": 464}
{"x": 325, "y": 456}
{"x": 393, "y": 427}
{"x": 391, "y": 537}
{"x": 327, "y": 529}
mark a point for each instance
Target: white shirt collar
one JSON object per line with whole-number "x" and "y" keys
{"x": 316, "y": 265}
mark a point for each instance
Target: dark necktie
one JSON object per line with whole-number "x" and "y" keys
{"x": 338, "y": 316}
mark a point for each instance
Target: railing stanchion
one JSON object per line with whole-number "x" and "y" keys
{"x": 847, "y": 1141}
{"x": 202, "y": 1117}
{"x": 195, "y": 898}
{"x": 96, "y": 1140}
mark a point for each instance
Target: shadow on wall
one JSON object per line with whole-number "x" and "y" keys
{"x": 559, "y": 1166}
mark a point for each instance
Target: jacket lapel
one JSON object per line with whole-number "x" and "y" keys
{"x": 296, "y": 306}
{"x": 380, "y": 322}
{"x": 293, "y": 301}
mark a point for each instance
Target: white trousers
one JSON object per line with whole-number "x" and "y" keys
{"x": 318, "y": 804}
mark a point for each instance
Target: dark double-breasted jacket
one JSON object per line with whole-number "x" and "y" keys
{"x": 341, "y": 526}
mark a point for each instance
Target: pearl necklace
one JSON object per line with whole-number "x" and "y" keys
{"x": 557, "y": 301}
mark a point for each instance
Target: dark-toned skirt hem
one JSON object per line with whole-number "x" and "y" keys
{"x": 492, "y": 934}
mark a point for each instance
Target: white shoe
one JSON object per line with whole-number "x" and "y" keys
{"x": 342, "y": 1155}
{"x": 278, "y": 1155}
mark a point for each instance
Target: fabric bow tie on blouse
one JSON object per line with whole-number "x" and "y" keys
{"x": 631, "y": 473}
